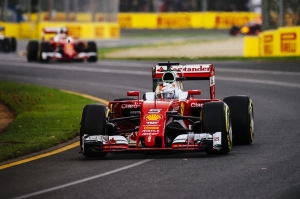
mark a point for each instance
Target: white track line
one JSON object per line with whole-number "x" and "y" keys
{"x": 83, "y": 180}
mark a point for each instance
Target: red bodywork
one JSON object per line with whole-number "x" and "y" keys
{"x": 66, "y": 46}
{"x": 153, "y": 114}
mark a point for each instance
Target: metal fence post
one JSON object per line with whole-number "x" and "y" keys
{"x": 281, "y": 13}
{"x": 204, "y": 5}
{"x": 5, "y": 4}
{"x": 39, "y": 11}
{"x": 67, "y": 9}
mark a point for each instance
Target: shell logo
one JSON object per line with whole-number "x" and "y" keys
{"x": 153, "y": 117}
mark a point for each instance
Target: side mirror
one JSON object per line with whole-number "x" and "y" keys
{"x": 133, "y": 93}
{"x": 194, "y": 92}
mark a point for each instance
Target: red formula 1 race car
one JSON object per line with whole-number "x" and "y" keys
{"x": 61, "y": 47}
{"x": 168, "y": 119}
{"x": 251, "y": 28}
{"x": 7, "y": 44}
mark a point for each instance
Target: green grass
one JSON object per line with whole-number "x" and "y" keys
{"x": 45, "y": 117}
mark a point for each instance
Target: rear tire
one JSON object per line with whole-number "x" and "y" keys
{"x": 32, "y": 51}
{"x": 92, "y": 47}
{"x": 93, "y": 122}
{"x": 13, "y": 44}
{"x": 234, "y": 31}
{"x": 216, "y": 118}
{"x": 5, "y": 45}
{"x": 242, "y": 114}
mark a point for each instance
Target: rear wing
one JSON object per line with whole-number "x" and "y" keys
{"x": 53, "y": 30}
{"x": 189, "y": 72}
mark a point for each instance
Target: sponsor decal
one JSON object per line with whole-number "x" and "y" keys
{"x": 154, "y": 110}
{"x": 196, "y": 105}
{"x": 174, "y": 22}
{"x": 149, "y": 133}
{"x": 187, "y": 69}
{"x": 114, "y": 31}
{"x": 115, "y": 147}
{"x": 149, "y": 138}
{"x": 129, "y": 106}
{"x": 268, "y": 44}
{"x": 288, "y": 42}
{"x": 125, "y": 21}
{"x": 228, "y": 21}
{"x": 153, "y": 117}
{"x": 151, "y": 127}
{"x": 216, "y": 139}
{"x": 74, "y": 31}
{"x": 99, "y": 31}
{"x": 151, "y": 123}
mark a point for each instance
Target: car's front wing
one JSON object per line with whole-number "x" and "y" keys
{"x": 184, "y": 142}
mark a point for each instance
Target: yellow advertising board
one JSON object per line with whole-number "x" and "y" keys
{"x": 289, "y": 41}
{"x": 181, "y": 20}
{"x": 11, "y": 29}
{"x": 268, "y": 43}
{"x": 284, "y": 41}
{"x": 251, "y": 46}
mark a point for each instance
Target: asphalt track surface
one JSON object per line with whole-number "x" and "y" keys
{"x": 269, "y": 168}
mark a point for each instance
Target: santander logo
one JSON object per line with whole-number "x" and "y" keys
{"x": 186, "y": 68}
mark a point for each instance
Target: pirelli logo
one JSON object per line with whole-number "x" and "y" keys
{"x": 125, "y": 21}
{"x": 74, "y": 31}
{"x": 268, "y": 44}
{"x": 288, "y": 42}
{"x": 226, "y": 21}
{"x": 174, "y": 22}
{"x": 99, "y": 32}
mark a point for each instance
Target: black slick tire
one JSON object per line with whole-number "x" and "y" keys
{"x": 242, "y": 114}
{"x": 93, "y": 122}
{"x": 44, "y": 48}
{"x": 92, "y": 47}
{"x": 215, "y": 117}
{"x": 32, "y": 51}
{"x": 6, "y": 45}
{"x": 13, "y": 44}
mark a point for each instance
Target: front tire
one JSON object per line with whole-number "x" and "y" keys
{"x": 242, "y": 114}
{"x": 92, "y": 47}
{"x": 93, "y": 122}
{"x": 215, "y": 117}
{"x": 44, "y": 48}
{"x": 32, "y": 51}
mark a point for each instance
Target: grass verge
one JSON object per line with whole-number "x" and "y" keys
{"x": 45, "y": 117}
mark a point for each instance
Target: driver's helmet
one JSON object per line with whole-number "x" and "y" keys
{"x": 165, "y": 91}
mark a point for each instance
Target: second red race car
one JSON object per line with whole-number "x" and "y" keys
{"x": 168, "y": 118}
{"x": 61, "y": 47}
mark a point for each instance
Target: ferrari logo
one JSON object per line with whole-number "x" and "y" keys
{"x": 182, "y": 108}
